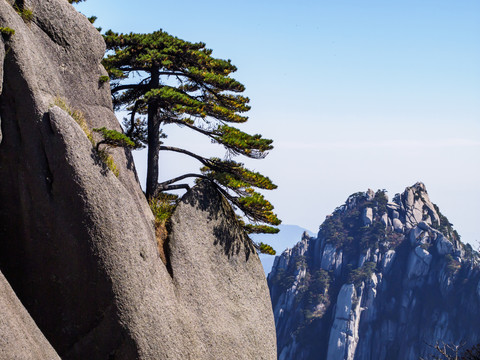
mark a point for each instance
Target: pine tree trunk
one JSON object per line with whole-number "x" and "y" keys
{"x": 153, "y": 150}
{"x": 153, "y": 128}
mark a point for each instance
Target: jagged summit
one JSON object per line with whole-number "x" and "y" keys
{"x": 378, "y": 216}
{"x": 380, "y": 281}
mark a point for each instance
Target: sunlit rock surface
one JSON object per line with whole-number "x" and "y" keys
{"x": 77, "y": 243}
{"x": 382, "y": 280}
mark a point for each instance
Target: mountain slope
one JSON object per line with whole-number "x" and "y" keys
{"x": 286, "y": 238}
{"x": 382, "y": 280}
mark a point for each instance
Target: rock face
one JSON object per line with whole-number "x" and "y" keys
{"x": 380, "y": 281}
{"x": 77, "y": 243}
{"x": 344, "y": 333}
{"x": 228, "y": 299}
{"x": 21, "y": 338}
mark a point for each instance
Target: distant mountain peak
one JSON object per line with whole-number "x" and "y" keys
{"x": 380, "y": 281}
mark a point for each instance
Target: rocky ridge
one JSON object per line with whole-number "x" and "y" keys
{"x": 382, "y": 280}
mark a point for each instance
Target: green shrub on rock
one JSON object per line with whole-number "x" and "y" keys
{"x": 7, "y": 32}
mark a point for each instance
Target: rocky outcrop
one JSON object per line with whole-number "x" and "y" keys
{"x": 77, "y": 243}
{"x": 344, "y": 333}
{"x": 405, "y": 280}
{"x": 225, "y": 295}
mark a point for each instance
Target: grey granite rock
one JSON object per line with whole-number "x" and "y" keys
{"x": 415, "y": 295}
{"x": 385, "y": 220}
{"x": 364, "y": 257}
{"x": 396, "y": 214}
{"x": 444, "y": 246}
{"x": 418, "y": 207}
{"x": 20, "y": 337}
{"x": 397, "y": 225}
{"x": 415, "y": 235}
{"x": 220, "y": 281}
{"x": 424, "y": 226}
{"x": 367, "y": 216}
{"x": 344, "y": 333}
{"x": 387, "y": 260}
{"x": 77, "y": 243}
{"x": 370, "y": 194}
{"x": 329, "y": 257}
{"x": 50, "y": 236}
{"x": 418, "y": 263}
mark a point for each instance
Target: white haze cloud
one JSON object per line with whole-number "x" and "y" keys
{"x": 381, "y": 144}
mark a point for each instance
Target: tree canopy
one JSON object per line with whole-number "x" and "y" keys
{"x": 182, "y": 83}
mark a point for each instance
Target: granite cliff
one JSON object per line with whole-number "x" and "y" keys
{"x": 81, "y": 276}
{"x": 382, "y": 280}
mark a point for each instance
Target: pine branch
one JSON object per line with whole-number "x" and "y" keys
{"x": 166, "y": 185}
{"x": 126, "y": 87}
{"x": 203, "y": 160}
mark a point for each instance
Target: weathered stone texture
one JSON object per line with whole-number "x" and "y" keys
{"x": 225, "y": 293}
{"x": 77, "y": 244}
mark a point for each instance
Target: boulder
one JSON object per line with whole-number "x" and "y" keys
{"x": 424, "y": 226}
{"x": 392, "y": 205}
{"x": 397, "y": 225}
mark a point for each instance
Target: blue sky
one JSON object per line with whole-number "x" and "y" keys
{"x": 355, "y": 94}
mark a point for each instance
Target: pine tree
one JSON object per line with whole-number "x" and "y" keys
{"x": 181, "y": 83}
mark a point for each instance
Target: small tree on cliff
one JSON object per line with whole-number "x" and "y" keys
{"x": 181, "y": 83}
